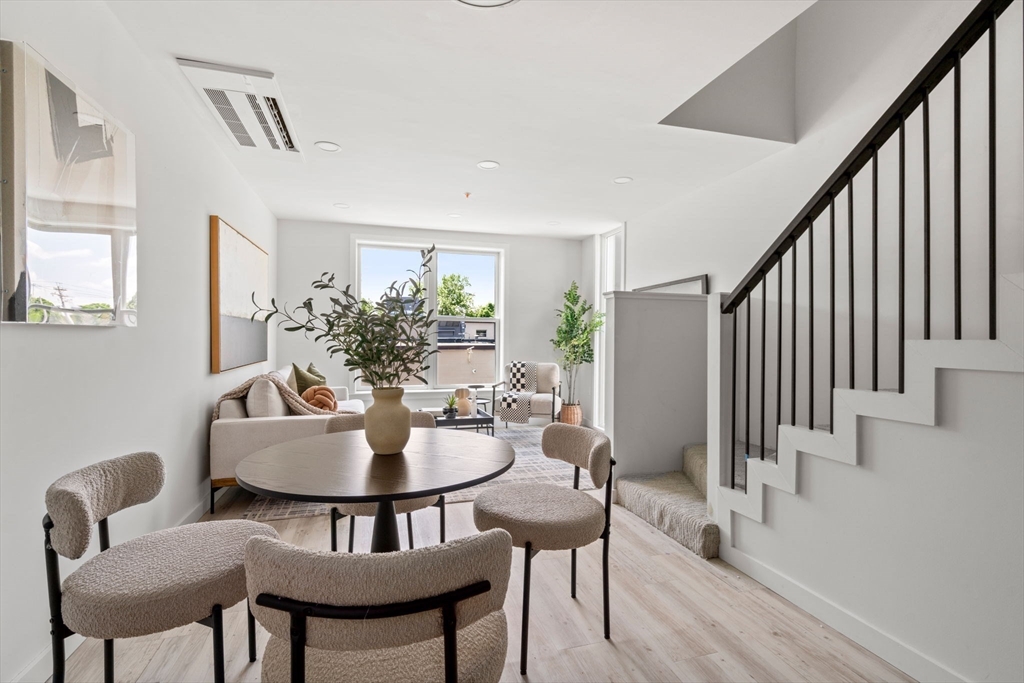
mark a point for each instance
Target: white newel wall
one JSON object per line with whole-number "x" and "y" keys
{"x": 656, "y": 382}
{"x": 72, "y": 397}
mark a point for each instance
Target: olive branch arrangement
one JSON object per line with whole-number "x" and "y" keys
{"x": 387, "y": 342}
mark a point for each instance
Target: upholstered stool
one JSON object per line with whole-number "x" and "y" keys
{"x": 348, "y": 423}
{"x": 146, "y": 585}
{"x": 546, "y": 517}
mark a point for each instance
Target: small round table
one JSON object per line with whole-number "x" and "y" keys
{"x": 341, "y": 468}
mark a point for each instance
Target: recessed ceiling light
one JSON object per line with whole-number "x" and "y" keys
{"x": 553, "y": 223}
{"x": 341, "y": 206}
{"x": 488, "y": 165}
{"x": 623, "y": 180}
{"x": 327, "y": 146}
{"x": 487, "y": 3}
{"x": 455, "y": 215}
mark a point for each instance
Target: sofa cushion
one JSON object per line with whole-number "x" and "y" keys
{"x": 547, "y": 376}
{"x": 264, "y": 400}
{"x": 304, "y": 380}
{"x": 288, "y": 377}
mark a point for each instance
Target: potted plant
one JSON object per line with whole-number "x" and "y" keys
{"x": 574, "y": 340}
{"x": 450, "y": 406}
{"x": 386, "y": 342}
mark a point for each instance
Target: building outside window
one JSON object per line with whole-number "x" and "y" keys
{"x": 463, "y": 290}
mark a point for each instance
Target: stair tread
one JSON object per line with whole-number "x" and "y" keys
{"x": 672, "y": 504}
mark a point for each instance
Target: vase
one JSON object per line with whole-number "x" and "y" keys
{"x": 572, "y": 414}
{"x": 387, "y": 422}
{"x": 465, "y": 406}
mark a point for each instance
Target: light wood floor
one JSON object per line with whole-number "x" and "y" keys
{"x": 675, "y": 617}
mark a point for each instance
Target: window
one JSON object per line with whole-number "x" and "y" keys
{"x": 463, "y": 290}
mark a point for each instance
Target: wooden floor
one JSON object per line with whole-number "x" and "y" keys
{"x": 675, "y": 617}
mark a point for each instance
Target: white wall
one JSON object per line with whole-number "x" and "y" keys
{"x": 656, "y": 386}
{"x": 853, "y": 59}
{"x": 538, "y": 270}
{"x": 922, "y": 543}
{"x": 71, "y": 397}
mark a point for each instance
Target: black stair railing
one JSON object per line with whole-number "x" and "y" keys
{"x": 982, "y": 21}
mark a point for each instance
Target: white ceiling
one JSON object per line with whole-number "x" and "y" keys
{"x": 565, "y": 94}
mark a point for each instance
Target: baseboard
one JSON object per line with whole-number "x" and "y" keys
{"x": 41, "y": 668}
{"x": 904, "y": 657}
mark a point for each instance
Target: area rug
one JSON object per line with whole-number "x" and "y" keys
{"x": 531, "y": 465}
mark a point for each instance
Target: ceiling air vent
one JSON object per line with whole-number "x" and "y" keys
{"x": 247, "y": 104}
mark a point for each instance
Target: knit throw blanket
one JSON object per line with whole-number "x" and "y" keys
{"x": 294, "y": 401}
{"x": 514, "y": 404}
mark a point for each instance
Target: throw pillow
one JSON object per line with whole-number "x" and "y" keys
{"x": 304, "y": 380}
{"x": 264, "y": 400}
{"x": 320, "y": 397}
{"x": 316, "y": 373}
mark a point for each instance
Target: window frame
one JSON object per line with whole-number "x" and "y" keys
{"x": 358, "y": 243}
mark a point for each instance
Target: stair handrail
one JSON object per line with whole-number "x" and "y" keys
{"x": 977, "y": 23}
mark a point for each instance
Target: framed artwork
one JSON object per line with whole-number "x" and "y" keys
{"x": 239, "y": 270}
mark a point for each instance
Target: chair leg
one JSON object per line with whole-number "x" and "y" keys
{"x": 218, "y": 643}
{"x": 108, "y": 661}
{"x": 334, "y": 529}
{"x": 526, "y": 609}
{"x": 251, "y": 623}
{"x": 441, "y": 506}
{"x": 408, "y": 525}
{"x": 58, "y": 658}
{"x": 351, "y": 532}
{"x": 213, "y": 506}
{"x": 607, "y": 614}
{"x": 572, "y": 574}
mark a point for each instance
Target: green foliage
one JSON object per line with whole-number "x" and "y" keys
{"x": 453, "y": 297}
{"x": 574, "y": 336}
{"x": 450, "y": 401}
{"x": 133, "y": 303}
{"x": 36, "y": 315}
{"x": 387, "y": 342}
{"x": 94, "y": 307}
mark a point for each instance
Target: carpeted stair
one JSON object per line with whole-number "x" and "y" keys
{"x": 675, "y": 503}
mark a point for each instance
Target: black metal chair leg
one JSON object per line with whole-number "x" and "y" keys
{"x": 108, "y": 661}
{"x": 251, "y": 622}
{"x": 351, "y": 532}
{"x": 526, "y": 609}
{"x": 334, "y": 529}
{"x": 218, "y": 643}
{"x": 572, "y": 574}
{"x": 408, "y": 525}
{"x": 607, "y": 614}
{"x": 441, "y": 505}
{"x": 58, "y": 658}
{"x": 213, "y": 505}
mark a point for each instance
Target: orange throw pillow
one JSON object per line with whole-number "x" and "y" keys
{"x": 320, "y": 397}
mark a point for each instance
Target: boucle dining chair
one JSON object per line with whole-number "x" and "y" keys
{"x": 548, "y": 517}
{"x": 149, "y": 584}
{"x": 429, "y": 614}
{"x": 348, "y": 423}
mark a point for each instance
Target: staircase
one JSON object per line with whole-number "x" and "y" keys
{"x": 816, "y": 379}
{"x": 675, "y": 502}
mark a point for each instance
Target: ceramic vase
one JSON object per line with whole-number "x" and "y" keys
{"x": 387, "y": 422}
{"x": 464, "y": 404}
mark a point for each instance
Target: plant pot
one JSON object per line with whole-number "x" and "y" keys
{"x": 450, "y": 413}
{"x": 572, "y": 414}
{"x": 388, "y": 422}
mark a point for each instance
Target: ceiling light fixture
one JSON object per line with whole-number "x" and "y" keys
{"x": 341, "y": 206}
{"x": 488, "y": 165}
{"x": 455, "y": 215}
{"x": 487, "y": 4}
{"x": 623, "y": 180}
{"x": 327, "y": 146}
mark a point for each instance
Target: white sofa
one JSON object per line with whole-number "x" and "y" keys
{"x": 235, "y": 435}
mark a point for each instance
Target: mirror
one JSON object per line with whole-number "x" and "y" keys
{"x": 68, "y": 240}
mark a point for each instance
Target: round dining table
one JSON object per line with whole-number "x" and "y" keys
{"x": 342, "y": 468}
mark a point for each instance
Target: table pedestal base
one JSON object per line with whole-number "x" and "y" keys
{"x": 385, "y": 529}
